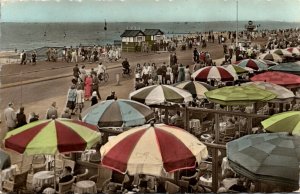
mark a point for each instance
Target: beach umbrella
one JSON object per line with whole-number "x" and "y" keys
{"x": 239, "y": 95}
{"x": 266, "y": 157}
{"x": 283, "y": 122}
{"x": 271, "y": 57}
{"x": 153, "y": 149}
{"x": 268, "y": 62}
{"x": 281, "y": 92}
{"x": 4, "y": 160}
{"x": 253, "y": 64}
{"x": 117, "y": 113}
{"x": 158, "y": 94}
{"x": 276, "y": 77}
{"x": 51, "y": 137}
{"x": 197, "y": 89}
{"x": 287, "y": 67}
{"x": 213, "y": 72}
{"x": 282, "y": 52}
{"x": 294, "y": 50}
{"x": 234, "y": 69}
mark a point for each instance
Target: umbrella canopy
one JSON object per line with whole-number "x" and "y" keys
{"x": 269, "y": 63}
{"x": 239, "y": 95}
{"x": 275, "y": 77}
{"x": 52, "y": 136}
{"x": 157, "y": 94}
{"x": 153, "y": 149}
{"x": 269, "y": 157}
{"x": 281, "y": 92}
{"x": 294, "y": 50}
{"x": 253, "y": 64}
{"x": 287, "y": 67}
{"x": 118, "y": 113}
{"x": 197, "y": 89}
{"x": 271, "y": 57}
{"x": 213, "y": 72}
{"x": 4, "y": 160}
{"x": 283, "y": 122}
{"x": 234, "y": 69}
{"x": 282, "y": 52}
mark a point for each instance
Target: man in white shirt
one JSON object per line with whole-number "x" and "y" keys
{"x": 10, "y": 117}
{"x": 101, "y": 71}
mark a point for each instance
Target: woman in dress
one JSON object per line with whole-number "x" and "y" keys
{"x": 187, "y": 74}
{"x": 88, "y": 87}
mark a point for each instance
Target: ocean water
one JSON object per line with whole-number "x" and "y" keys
{"x": 30, "y": 36}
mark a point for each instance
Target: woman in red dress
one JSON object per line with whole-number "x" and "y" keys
{"x": 88, "y": 87}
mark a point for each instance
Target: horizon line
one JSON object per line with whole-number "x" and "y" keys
{"x": 38, "y": 22}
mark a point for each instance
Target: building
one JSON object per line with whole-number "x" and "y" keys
{"x": 152, "y": 35}
{"x": 132, "y": 39}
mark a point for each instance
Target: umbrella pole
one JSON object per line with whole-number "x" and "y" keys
{"x": 54, "y": 173}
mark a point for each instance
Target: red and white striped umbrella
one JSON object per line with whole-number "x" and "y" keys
{"x": 214, "y": 72}
{"x": 294, "y": 50}
{"x": 153, "y": 149}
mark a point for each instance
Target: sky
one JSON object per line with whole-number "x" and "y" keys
{"x": 148, "y": 10}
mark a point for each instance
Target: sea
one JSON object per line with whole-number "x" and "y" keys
{"x": 29, "y": 36}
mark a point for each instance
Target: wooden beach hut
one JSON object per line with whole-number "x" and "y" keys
{"x": 131, "y": 40}
{"x": 152, "y": 35}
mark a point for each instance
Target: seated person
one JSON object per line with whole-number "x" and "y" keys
{"x": 96, "y": 157}
{"x": 239, "y": 186}
{"x": 143, "y": 183}
{"x": 175, "y": 117}
{"x": 160, "y": 185}
{"x": 112, "y": 96}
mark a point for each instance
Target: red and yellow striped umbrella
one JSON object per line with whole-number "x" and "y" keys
{"x": 52, "y": 136}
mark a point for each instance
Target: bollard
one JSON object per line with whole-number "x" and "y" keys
{"x": 118, "y": 79}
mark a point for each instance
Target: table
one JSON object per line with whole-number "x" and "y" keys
{"x": 228, "y": 182}
{"x": 206, "y": 137}
{"x": 42, "y": 178}
{"x": 85, "y": 187}
{"x": 206, "y": 181}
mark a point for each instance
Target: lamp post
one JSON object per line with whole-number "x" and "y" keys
{"x": 237, "y": 23}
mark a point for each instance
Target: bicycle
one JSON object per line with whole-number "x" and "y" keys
{"x": 125, "y": 73}
{"x": 103, "y": 77}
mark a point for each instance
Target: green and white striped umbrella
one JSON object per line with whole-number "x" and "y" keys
{"x": 281, "y": 92}
{"x": 158, "y": 94}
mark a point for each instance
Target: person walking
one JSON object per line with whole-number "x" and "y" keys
{"x": 187, "y": 73}
{"x": 95, "y": 85}
{"x": 94, "y": 99}
{"x": 181, "y": 75}
{"x": 76, "y": 71}
{"x": 79, "y": 99}
{"x": 71, "y": 99}
{"x": 88, "y": 87}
